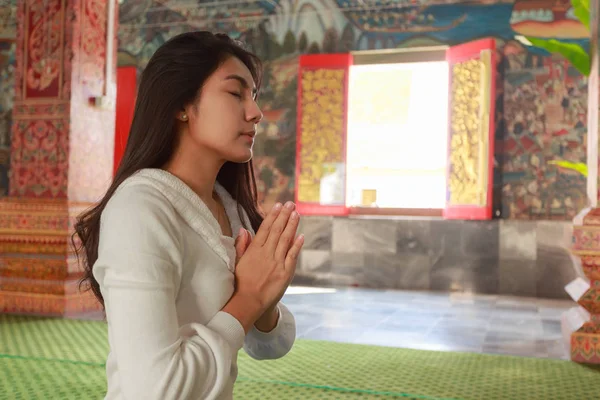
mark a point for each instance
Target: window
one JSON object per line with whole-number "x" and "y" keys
{"x": 397, "y": 135}
{"x": 398, "y": 130}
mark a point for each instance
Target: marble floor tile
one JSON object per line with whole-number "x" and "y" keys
{"x": 385, "y": 309}
{"x": 462, "y": 325}
{"x": 389, "y": 338}
{"x": 523, "y": 327}
{"x": 525, "y": 311}
{"x": 555, "y": 313}
{"x": 495, "y": 324}
{"x": 514, "y": 338}
{"x": 441, "y": 346}
{"x": 518, "y": 349}
{"x": 343, "y": 335}
{"x": 551, "y": 327}
{"x": 454, "y": 341}
{"x": 516, "y": 303}
{"x": 470, "y": 311}
{"x": 416, "y": 327}
{"x": 557, "y": 349}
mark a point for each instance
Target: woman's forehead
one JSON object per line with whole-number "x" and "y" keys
{"x": 233, "y": 66}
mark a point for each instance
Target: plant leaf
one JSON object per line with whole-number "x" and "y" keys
{"x": 577, "y": 55}
{"x": 579, "y": 167}
{"x": 581, "y": 9}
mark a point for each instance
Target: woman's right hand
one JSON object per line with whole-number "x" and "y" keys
{"x": 267, "y": 267}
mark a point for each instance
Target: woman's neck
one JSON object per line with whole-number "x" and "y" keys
{"x": 200, "y": 175}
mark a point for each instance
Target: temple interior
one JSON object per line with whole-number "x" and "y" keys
{"x": 442, "y": 154}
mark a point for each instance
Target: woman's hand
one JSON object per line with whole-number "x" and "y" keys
{"x": 268, "y": 320}
{"x": 266, "y": 267}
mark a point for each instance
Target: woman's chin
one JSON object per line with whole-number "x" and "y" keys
{"x": 242, "y": 156}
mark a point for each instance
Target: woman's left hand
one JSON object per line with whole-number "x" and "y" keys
{"x": 269, "y": 319}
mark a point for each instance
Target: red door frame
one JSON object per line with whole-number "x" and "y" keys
{"x": 126, "y": 94}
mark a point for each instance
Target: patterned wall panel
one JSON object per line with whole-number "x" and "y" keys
{"x": 39, "y": 155}
{"x": 8, "y": 35}
{"x": 61, "y": 151}
{"x": 62, "y": 145}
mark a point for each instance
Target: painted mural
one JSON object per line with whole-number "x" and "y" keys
{"x": 7, "y": 81}
{"x": 544, "y": 100}
{"x": 547, "y": 18}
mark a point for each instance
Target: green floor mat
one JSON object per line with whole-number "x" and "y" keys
{"x": 61, "y": 359}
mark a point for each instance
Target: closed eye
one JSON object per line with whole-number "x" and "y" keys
{"x": 238, "y": 95}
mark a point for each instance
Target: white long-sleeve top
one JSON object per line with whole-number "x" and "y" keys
{"x": 165, "y": 271}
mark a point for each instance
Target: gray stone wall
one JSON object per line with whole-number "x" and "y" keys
{"x": 522, "y": 258}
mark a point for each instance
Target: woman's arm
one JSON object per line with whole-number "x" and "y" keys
{"x": 137, "y": 268}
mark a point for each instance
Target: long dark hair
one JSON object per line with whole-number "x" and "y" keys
{"x": 172, "y": 79}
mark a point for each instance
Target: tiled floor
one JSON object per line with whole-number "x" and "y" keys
{"x": 431, "y": 321}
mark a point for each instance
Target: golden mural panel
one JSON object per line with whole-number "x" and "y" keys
{"x": 321, "y": 129}
{"x": 469, "y": 130}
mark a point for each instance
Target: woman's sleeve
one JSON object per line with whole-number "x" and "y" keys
{"x": 275, "y": 344}
{"x": 137, "y": 268}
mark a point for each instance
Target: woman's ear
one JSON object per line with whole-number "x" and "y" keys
{"x": 182, "y": 116}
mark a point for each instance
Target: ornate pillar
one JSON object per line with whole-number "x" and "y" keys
{"x": 581, "y": 325}
{"x": 61, "y": 151}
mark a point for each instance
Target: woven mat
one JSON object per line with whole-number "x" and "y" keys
{"x": 62, "y": 359}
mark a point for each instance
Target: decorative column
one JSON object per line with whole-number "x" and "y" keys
{"x": 61, "y": 152}
{"x": 581, "y": 325}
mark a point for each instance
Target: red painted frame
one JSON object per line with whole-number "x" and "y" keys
{"x": 464, "y": 52}
{"x": 311, "y": 62}
{"x": 126, "y": 94}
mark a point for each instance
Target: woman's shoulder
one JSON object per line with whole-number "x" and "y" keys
{"x": 135, "y": 196}
{"x": 138, "y": 202}
{"x": 139, "y": 218}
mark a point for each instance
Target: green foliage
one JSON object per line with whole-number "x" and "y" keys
{"x": 578, "y": 167}
{"x": 574, "y": 53}
{"x": 581, "y": 10}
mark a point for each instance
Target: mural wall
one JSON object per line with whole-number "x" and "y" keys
{"x": 544, "y": 99}
{"x": 545, "y": 117}
{"x": 7, "y": 81}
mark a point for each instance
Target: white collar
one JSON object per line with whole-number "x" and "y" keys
{"x": 194, "y": 211}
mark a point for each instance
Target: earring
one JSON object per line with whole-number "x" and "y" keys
{"x": 184, "y": 117}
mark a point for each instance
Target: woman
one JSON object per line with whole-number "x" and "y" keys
{"x": 181, "y": 297}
